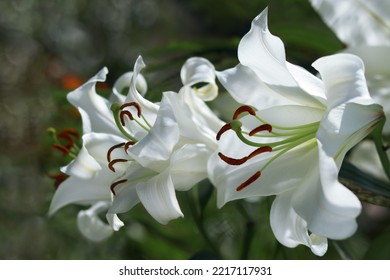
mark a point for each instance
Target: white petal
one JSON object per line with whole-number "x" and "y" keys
{"x": 345, "y": 126}
{"x": 155, "y": 149}
{"x": 83, "y": 166}
{"x": 328, "y": 207}
{"x": 149, "y": 109}
{"x": 247, "y": 88}
{"x": 343, "y": 76}
{"x": 95, "y": 110}
{"x": 189, "y": 165}
{"x": 114, "y": 221}
{"x": 93, "y": 155}
{"x": 264, "y": 53}
{"x": 78, "y": 190}
{"x": 159, "y": 198}
{"x": 357, "y": 22}
{"x": 198, "y": 70}
{"x": 195, "y": 119}
{"x": 91, "y": 226}
{"x": 125, "y": 82}
{"x": 126, "y": 196}
{"x": 290, "y": 229}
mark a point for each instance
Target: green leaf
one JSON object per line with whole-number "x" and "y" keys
{"x": 366, "y": 187}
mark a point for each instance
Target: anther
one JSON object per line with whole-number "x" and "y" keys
{"x": 61, "y": 148}
{"x": 239, "y": 161}
{"x": 128, "y": 144}
{"x": 122, "y": 116}
{"x": 263, "y": 127}
{"x": 243, "y": 109}
{"x": 223, "y": 129}
{"x": 68, "y": 134}
{"x": 251, "y": 179}
{"x": 58, "y": 178}
{"x": 110, "y": 150}
{"x": 134, "y": 104}
{"x": 113, "y": 185}
{"x": 115, "y": 161}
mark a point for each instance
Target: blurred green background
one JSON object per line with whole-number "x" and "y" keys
{"x": 45, "y": 45}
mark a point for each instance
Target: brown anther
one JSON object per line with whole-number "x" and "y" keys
{"x": 115, "y": 161}
{"x": 239, "y": 161}
{"x": 113, "y": 185}
{"x": 122, "y": 116}
{"x": 70, "y": 131}
{"x": 223, "y": 129}
{"x": 110, "y": 150}
{"x": 263, "y": 127}
{"x": 259, "y": 151}
{"x": 128, "y": 144}
{"x": 251, "y": 179}
{"x": 68, "y": 134}
{"x": 58, "y": 178}
{"x": 61, "y": 148}
{"x": 243, "y": 109}
{"x": 134, "y": 104}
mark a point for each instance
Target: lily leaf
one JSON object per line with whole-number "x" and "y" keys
{"x": 367, "y": 188}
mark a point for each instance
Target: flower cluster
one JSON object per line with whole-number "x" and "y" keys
{"x": 288, "y": 139}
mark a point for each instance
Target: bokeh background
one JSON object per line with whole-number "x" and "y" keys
{"x": 49, "y": 47}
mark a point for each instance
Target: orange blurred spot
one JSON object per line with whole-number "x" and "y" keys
{"x": 71, "y": 82}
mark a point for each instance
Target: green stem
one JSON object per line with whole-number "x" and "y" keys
{"x": 378, "y": 140}
{"x": 249, "y": 232}
{"x": 200, "y": 225}
{"x": 115, "y": 108}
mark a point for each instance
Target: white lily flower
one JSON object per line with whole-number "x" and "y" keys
{"x": 173, "y": 153}
{"x": 90, "y": 176}
{"x": 291, "y": 140}
{"x": 138, "y": 151}
{"x": 364, "y": 27}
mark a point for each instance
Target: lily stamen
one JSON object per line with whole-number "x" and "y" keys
{"x": 243, "y": 109}
{"x": 234, "y": 161}
{"x": 110, "y": 150}
{"x": 115, "y": 161}
{"x": 113, "y": 185}
{"x": 251, "y": 179}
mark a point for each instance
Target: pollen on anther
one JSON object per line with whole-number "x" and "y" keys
{"x": 243, "y": 109}
{"x": 122, "y": 116}
{"x": 61, "y": 148}
{"x": 263, "y": 127}
{"x": 115, "y": 161}
{"x": 223, "y": 129}
{"x": 113, "y": 185}
{"x": 251, "y": 179}
{"x": 110, "y": 150}
{"x": 128, "y": 144}
{"x": 134, "y": 104}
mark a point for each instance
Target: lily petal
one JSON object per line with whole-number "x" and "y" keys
{"x": 328, "y": 207}
{"x": 290, "y": 229}
{"x": 91, "y": 226}
{"x": 264, "y": 53}
{"x": 159, "y": 198}
{"x": 94, "y": 109}
{"x": 188, "y": 165}
{"x": 82, "y": 191}
{"x": 154, "y": 150}
{"x": 357, "y": 22}
{"x": 197, "y": 70}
